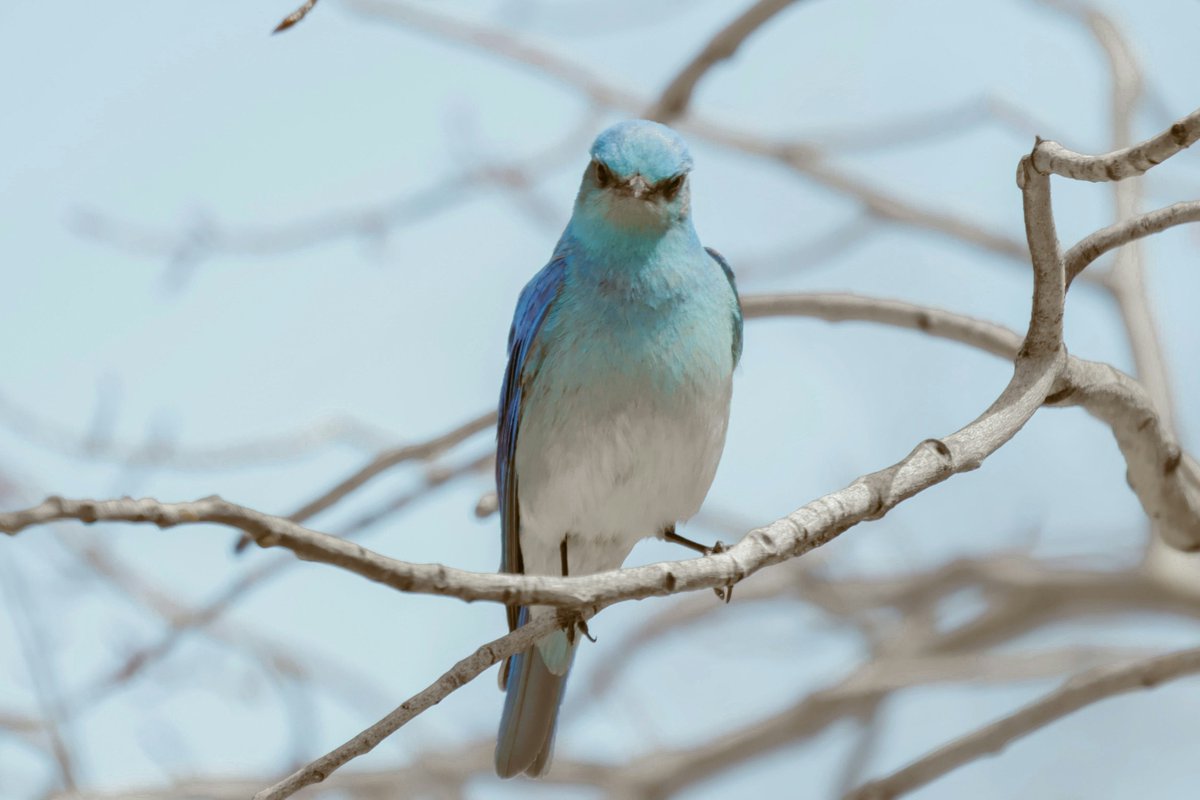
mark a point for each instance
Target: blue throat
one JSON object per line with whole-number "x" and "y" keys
{"x": 618, "y": 253}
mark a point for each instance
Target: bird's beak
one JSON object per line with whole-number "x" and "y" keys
{"x": 636, "y": 187}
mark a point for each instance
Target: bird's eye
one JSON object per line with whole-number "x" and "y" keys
{"x": 604, "y": 175}
{"x": 671, "y": 188}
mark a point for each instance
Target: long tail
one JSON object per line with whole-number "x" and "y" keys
{"x": 534, "y": 692}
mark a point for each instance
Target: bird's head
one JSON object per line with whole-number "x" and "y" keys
{"x": 637, "y": 176}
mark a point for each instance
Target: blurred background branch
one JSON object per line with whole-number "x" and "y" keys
{"x": 355, "y": 279}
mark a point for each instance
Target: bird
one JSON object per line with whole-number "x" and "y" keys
{"x": 615, "y": 402}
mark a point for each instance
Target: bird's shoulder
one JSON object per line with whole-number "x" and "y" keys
{"x": 737, "y": 302}
{"x": 535, "y": 300}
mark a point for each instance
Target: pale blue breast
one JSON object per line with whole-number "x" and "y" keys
{"x": 625, "y": 415}
{"x": 658, "y": 326}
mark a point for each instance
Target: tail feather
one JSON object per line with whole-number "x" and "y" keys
{"x": 526, "y": 739}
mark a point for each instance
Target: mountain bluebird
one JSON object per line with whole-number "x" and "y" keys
{"x": 615, "y": 402}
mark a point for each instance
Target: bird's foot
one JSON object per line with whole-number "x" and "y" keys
{"x": 574, "y": 624}
{"x": 724, "y": 593}
{"x": 572, "y": 621}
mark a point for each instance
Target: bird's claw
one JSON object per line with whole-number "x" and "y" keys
{"x": 723, "y": 593}
{"x": 582, "y": 626}
{"x": 573, "y": 623}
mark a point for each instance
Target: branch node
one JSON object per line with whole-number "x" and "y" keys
{"x": 1023, "y": 167}
{"x": 1173, "y": 459}
{"x": 941, "y": 449}
{"x": 1061, "y": 396}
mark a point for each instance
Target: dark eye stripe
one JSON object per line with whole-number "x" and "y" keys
{"x": 670, "y": 188}
{"x": 604, "y": 175}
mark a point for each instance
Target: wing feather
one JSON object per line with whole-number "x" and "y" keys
{"x": 737, "y": 312}
{"x": 535, "y": 302}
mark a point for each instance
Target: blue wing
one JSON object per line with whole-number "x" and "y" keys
{"x": 536, "y": 299}
{"x": 737, "y": 314}
{"x": 525, "y": 740}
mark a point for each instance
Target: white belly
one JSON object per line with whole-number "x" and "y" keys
{"x": 615, "y": 468}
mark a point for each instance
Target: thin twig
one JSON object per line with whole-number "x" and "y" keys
{"x": 801, "y": 157}
{"x": 297, "y": 15}
{"x": 461, "y": 673}
{"x": 1127, "y": 279}
{"x": 1079, "y": 692}
{"x": 43, "y": 673}
{"x": 1097, "y": 244}
{"x": 668, "y": 771}
{"x": 835, "y": 307}
{"x": 811, "y": 526}
{"x": 156, "y": 452}
{"x": 188, "y": 620}
{"x": 674, "y": 100}
{"x": 384, "y": 461}
{"x": 204, "y": 237}
{"x": 1038, "y": 371}
{"x": 1053, "y": 158}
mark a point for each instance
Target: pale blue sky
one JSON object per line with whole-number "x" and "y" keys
{"x": 161, "y": 115}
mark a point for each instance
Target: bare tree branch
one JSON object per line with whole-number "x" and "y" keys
{"x": 667, "y": 771}
{"x": 43, "y": 673}
{"x": 435, "y": 477}
{"x": 1179, "y": 527}
{"x": 272, "y": 656}
{"x": 1029, "y": 595}
{"x": 482, "y": 37}
{"x": 297, "y": 15}
{"x": 22, "y": 725}
{"x": 866, "y": 743}
{"x": 1165, "y": 479}
{"x": 421, "y": 451}
{"x": 157, "y": 452}
{"x": 927, "y": 126}
{"x": 1052, "y": 158}
{"x": 1079, "y": 692}
{"x": 1023, "y": 594}
{"x": 832, "y": 307}
{"x": 1126, "y": 281}
{"x": 803, "y": 158}
{"x": 805, "y": 529}
{"x": 188, "y": 620}
{"x": 204, "y": 237}
{"x": 886, "y": 206}
{"x": 870, "y": 497}
{"x": 674, "y": 100}
{"x": 809, "y": 254}
{"x": 1097, "y": 244}
{"x": 386, "y": 460}
{"x": 461, "y": 673}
